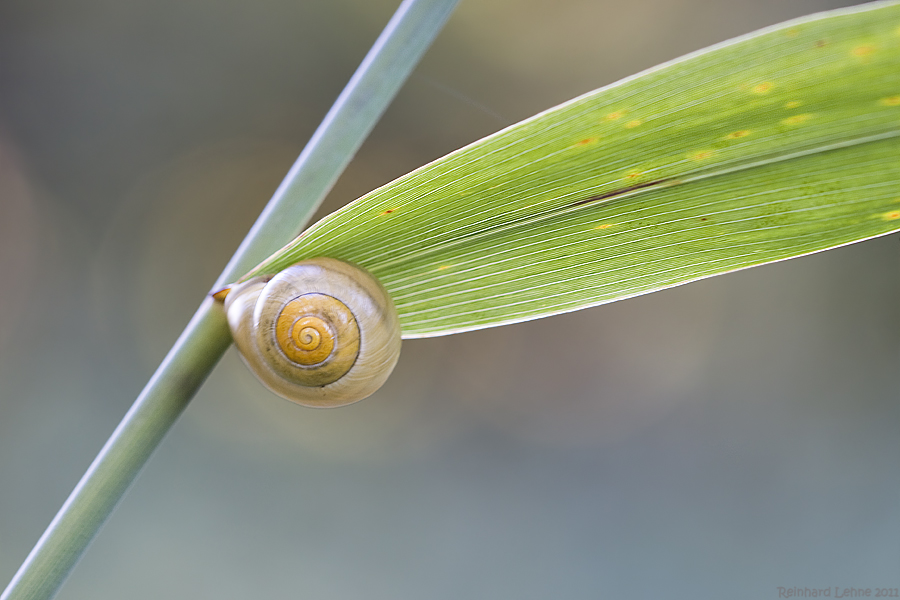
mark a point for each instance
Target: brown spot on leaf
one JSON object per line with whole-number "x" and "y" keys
{"x": 619, "y": 192}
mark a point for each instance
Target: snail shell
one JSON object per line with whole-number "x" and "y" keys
{"x": 322, "y": 332}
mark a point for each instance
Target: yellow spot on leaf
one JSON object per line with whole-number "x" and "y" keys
{"x": 634, "y": 174}
{"x": 615, "y": 115}
{"x": 792, "y": 32}
{"x": 863, "y": 50}
{"x": 444, "y": 267}
{"x": 702, "y": 155}
{"x": 890, "y": 101}
{"x": 797, "y": 119}
{"x": 762, "y": 88}
{"x": 586, "y": 142}
{"x": 892, "y": 215}
{"x": 603, "y": 226}
{"x": 388, "y": 211}
{"x": 633, "y": 124}
{"x": 792, "y": 104}
{"x": 737, "y": 134}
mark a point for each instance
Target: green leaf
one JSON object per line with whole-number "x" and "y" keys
{"x": 767, "y": 147}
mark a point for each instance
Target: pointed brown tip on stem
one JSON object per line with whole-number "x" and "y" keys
{"x": 219, "y": 296}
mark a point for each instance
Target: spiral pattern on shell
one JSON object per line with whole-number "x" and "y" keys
{"x": 322, "y": 332}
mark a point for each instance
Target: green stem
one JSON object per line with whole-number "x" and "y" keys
{"x": 203, "y": 342}
{"x": 345, "y": 127}
{"x": 163, "y": 399}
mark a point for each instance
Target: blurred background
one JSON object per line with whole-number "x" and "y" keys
{"x": 720, "y": 439}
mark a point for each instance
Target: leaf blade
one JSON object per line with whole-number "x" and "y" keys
{"x": 814, "y": 98}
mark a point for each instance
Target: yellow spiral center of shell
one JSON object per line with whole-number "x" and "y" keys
{"x": 306, "y": 341}
{"x": 318, "y": 333}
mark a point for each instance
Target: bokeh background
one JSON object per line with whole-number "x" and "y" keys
{"x": 720, "y": 439}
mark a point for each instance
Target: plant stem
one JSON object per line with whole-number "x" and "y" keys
{"x": 163, "y": 399}
{"x": 345, "y": 127}
{"x": 203, "y": 342}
